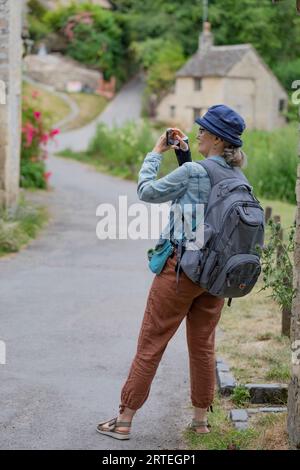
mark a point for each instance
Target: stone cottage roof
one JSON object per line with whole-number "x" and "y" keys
{"x": 215, "y": 61}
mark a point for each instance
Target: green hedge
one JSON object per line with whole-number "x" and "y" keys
{"x": 272, "y": 156}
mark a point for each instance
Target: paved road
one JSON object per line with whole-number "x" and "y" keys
{"x": 126, "y": 106}
{"x": 71, "y": 308}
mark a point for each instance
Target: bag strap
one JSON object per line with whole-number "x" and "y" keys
{"x": 217, "y": 172}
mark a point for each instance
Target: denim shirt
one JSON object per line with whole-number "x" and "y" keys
{"x": 187, "y": 184}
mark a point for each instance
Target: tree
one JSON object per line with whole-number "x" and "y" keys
{"x": 294, "y": 386}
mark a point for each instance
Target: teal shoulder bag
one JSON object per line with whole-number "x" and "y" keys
{"x": 158, "y": 256}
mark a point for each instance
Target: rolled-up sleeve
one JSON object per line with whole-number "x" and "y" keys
{"x": 170, "y": 187}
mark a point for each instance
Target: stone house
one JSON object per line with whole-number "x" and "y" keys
{"x": 233, "y": 75}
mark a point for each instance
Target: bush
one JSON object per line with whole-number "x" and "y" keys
{"x": 277, "y": 264}
{"x": 272, "y": 156}
{"x": 122, "y": 150}
{"x": 240, "y": 395}
{"x": 94, "y": 36}
{"x": 37, "y": 27}
{"x": 272, "y": 162}
{"x": 160, "y": 58}
{"x": 287, "y": 72}
{"x": 162, "y": 72}
{"x": 35, "y": 135}
{"x": 19, "y": 225}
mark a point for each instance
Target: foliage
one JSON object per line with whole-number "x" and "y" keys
{"x": 160, "y": 59}
{"x": 223, "y": 435}
{"x": 19, "y": 225}
{"x": 288, "y": 71}
{"x": 35, "y": 136}
{"x": 37, "y": 27}
{"x": 161, "y": 73}
{"x": 145, "y": 52}
{"x": 122, "y": 150}
{"x": 240, "y": 395}
{"x": 275, "y": 33}
{"x": 163, "y": 19}
{"x": 272, "y": 162}
{"x": 272, "y": 29}
{"x": 94, "y": 35}
{"x": 277, "y": 266}
{"x": 272, "y": 156}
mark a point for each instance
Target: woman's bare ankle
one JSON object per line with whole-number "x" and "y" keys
{"x": 126, "y": 415}
{"x": 200, "y": 414}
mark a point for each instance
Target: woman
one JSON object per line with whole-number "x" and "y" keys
{"x": 219, "y": 138}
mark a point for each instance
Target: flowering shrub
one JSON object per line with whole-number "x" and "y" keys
{"x": 122, "y": 149}
{"x": 93, "y": 36}
{"x": 35, "y": 136}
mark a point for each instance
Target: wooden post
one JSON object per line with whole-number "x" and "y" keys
{"x": 293, "y": 423}
{"x": 268, "y": 214}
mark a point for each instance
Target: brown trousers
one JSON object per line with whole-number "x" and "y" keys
{"x": 165, "y": 310}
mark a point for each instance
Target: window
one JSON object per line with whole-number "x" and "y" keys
{"x": 197, "y": 84}
{"x": 197, "y": 113}
{"x": 172, "y": 111}
{"x": 281, "y": 105}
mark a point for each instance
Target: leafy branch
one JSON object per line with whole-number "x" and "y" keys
{"x": 277, "y": 264}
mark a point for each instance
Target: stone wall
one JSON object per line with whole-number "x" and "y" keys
{"x": 10, "y": 101}
{"x": 57, "y": 70}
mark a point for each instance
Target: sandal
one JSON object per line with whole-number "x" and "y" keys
{"x": 198, "y": 424}
{"x": 112, "y": 429}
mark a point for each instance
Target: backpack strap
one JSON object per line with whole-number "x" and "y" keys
{"x": 178, "y": 268}
{"x": 217, "y": 172}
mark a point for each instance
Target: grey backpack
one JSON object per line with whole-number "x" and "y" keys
{"x": 228, "y": 264}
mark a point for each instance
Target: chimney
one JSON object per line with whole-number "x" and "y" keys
{"x": 206, "y": 39}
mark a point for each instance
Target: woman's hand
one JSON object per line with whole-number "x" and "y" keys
{"x": 161, "y": 144}
{"x": 180, "y": 136}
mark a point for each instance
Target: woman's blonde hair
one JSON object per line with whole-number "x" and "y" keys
{"x": 234, "y": 156}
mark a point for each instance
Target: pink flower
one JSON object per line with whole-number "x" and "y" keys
{"x": 47, "y": 175}
{"x": 54, "y": 132}
{"x": 44, "y": 138}
{"x": 35, "y": 94}
{"x": 37, "y": 115}
{"x": 29, "y": 132}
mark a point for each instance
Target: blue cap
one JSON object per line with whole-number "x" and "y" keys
{"x": 224, "y": 122}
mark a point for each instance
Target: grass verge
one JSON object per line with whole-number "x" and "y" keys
{"x": 250, "y": 339}
{"x": 90, "y": 106}
{"x": 265, "y": 432}
{"x": 54, "y": 108}
{"x": 19, "y": 226}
